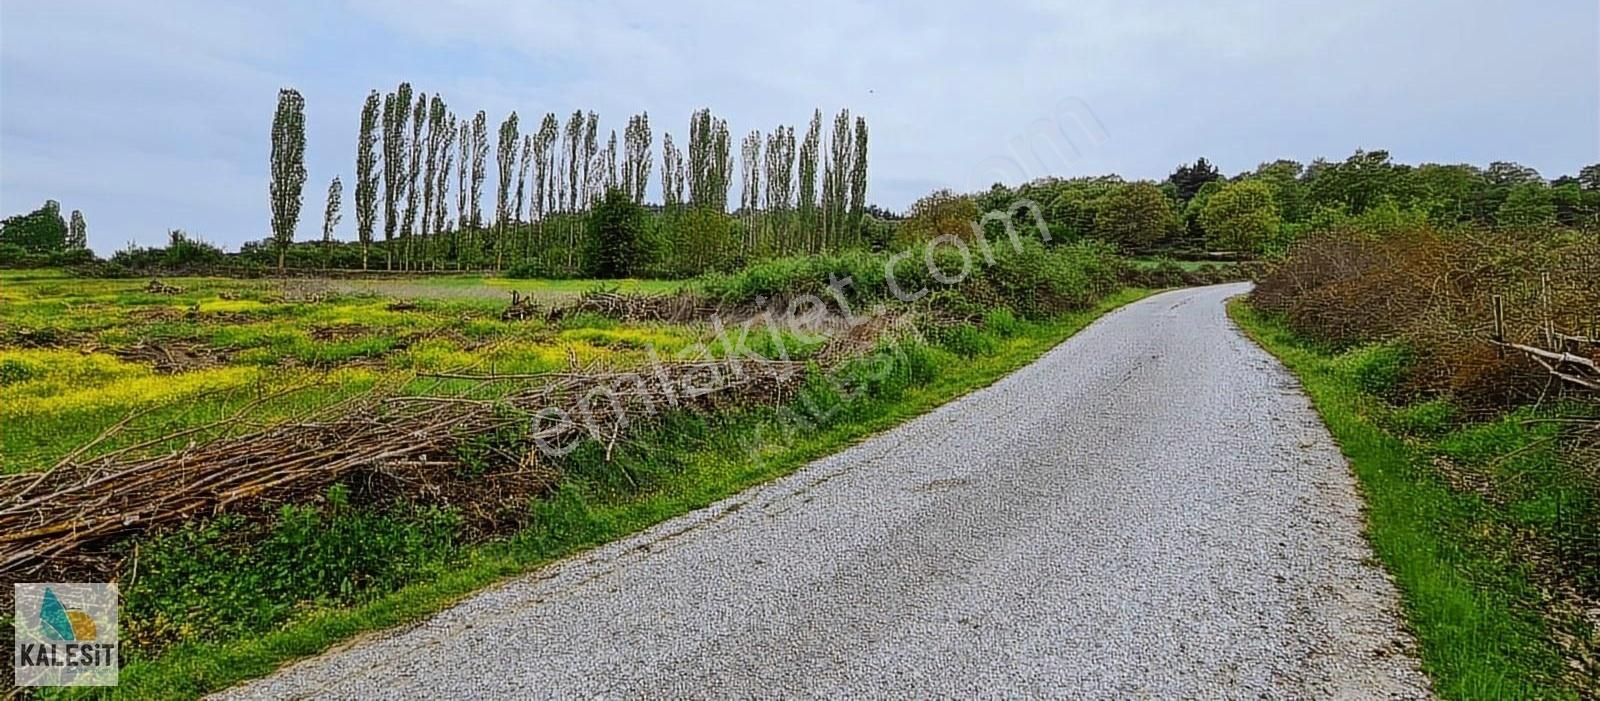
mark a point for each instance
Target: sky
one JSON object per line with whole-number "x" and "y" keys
{"x": 156, "y": 116}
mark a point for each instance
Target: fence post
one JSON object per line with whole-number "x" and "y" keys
{"x": 1500, "y": 325}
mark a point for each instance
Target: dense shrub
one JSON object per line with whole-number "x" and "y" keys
{"x": 1434, "y": 290}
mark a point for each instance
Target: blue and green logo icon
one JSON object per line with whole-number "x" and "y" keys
{"x": 62, "y": 623}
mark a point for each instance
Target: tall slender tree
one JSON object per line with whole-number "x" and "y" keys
{"x": 591, "y": 146}
{"x": 367, "y": 174}
{"x": 611, "y": 161}
{"x": 750, "y": 186}
{"x": 858, "y": 178}
{"x": 331, "y": 216}
{"x": 77, "y": 232}
{"x": 672, "y": 173}
{"x": 636, "y": 156}
{"x": 438, "y": 133}
{"x": 506, "y": 159}
{"x": 441, "y": 195}
{"x": 571, "y": 150}
{"x": 480, "y": 154}
{"x": 544, "y": 173}
{"x": 463, "y": 215}
{"x": 835, "y": 184}
{"x": 288, "y": 161}
{"x": 524, "y": 164}
{"x": 806, "y": 203}
{"x": 414, "y": 151}
{"x": 396, "y": 110}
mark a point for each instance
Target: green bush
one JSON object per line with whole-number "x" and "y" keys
{"x": 966, "y": 340}
{"x": 232, "y": 575}
{"x": 1375, "y": 368}
{"x": 1428, "y": 419}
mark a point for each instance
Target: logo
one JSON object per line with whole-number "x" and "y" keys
{"x": 66, "y": 634}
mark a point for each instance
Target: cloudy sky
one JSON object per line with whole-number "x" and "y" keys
{"x": 150, "y": 116}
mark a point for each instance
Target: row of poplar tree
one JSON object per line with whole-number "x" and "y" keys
{"x": 412, "y": 149}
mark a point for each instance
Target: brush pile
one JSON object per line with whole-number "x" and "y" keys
{"x": 51, "y": 517}
{"x": 676, "y": 308}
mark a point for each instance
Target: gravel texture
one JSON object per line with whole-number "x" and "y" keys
{"x": 1152, "y": 510}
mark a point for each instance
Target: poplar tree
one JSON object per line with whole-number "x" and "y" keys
{"x": 438, "y": 132}
{"x": 77, "y": 232}
{"x": 441, "y": 195}
{"x": 524, "y": 163}
{"x": 288, "y": 161}
{"x": 721, "y": 164}
{"x": 590, "y": 148}
{"x": 413, "y": 170}
{"x": 506, "y": 159}
{"x": 463, "y": 216}
{"x": 636, "y": 156}
{"x": 544, "y": 172}
{"x": 806, "y": 205}
{"x": 331, "y": 215}
{"x": 367, "y": 174}
{"x": 835, "y": 185}
{"x": 780, "y": 168}
{"x": 611, "y": 161}
{"x": 750, "y": 185}
{"x": 396, "y": 109}
{"x": 858, "y": 178}
{"x": 672, "y": 173}
{"x": 570, "y": 148}
{"x": 480, "y": 153}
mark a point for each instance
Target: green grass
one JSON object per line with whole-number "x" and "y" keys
{"x": 1467, "y": 597}
{"x": 699, "y": 462}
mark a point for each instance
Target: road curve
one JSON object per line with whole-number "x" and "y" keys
{"x": 1151, "y": 510}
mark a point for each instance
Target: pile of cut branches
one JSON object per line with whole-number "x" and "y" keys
{"x": 50, "y": 517}
{"x": 678, "y": 307}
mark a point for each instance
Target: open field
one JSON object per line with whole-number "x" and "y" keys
{"x": 79, "y": 355}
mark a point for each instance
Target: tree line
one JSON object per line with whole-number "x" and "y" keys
{"x": 1263, "y": 210}
{"x": 412, "y": 148}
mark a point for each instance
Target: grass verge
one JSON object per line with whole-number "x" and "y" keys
{"x": 1468, "y": 598}
{"x": 708, "y": 461}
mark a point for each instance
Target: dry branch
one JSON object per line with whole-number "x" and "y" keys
{"x": 78, "y": 504}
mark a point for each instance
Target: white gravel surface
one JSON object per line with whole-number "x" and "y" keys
{"x": 1152, "y": 510}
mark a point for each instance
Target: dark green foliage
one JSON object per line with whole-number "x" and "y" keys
{"x": 234, "y": 575}
{"x": 617, "y": 245}
{"x": 40, "y": 231}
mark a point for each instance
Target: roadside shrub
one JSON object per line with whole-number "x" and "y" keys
{"x": 1434, "y": 290}
{"x": 232, "y": 574}
{"x": 1426, "y": 419}
{"x": 1375, "y": 368}
{"x": 1002, "y": 322}
{"x": 966, "y": 340}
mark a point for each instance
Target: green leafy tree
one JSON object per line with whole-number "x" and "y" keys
{"x": 288, "y": 163}
{"x": 939, "y": 213}
{"x": 415, "y": 150}
{"x": 1528, "y": 204}
{"x": 1135, "y": 216}
{"x": 40, "y": 231}
{"x": 616, "y": 236}
{"x": 331, "y": 215}
{"x": 1242, "y": 216}
{"x": 367, "y": 174}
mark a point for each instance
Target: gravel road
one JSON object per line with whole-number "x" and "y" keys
{"x": 1152, "y": 510}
